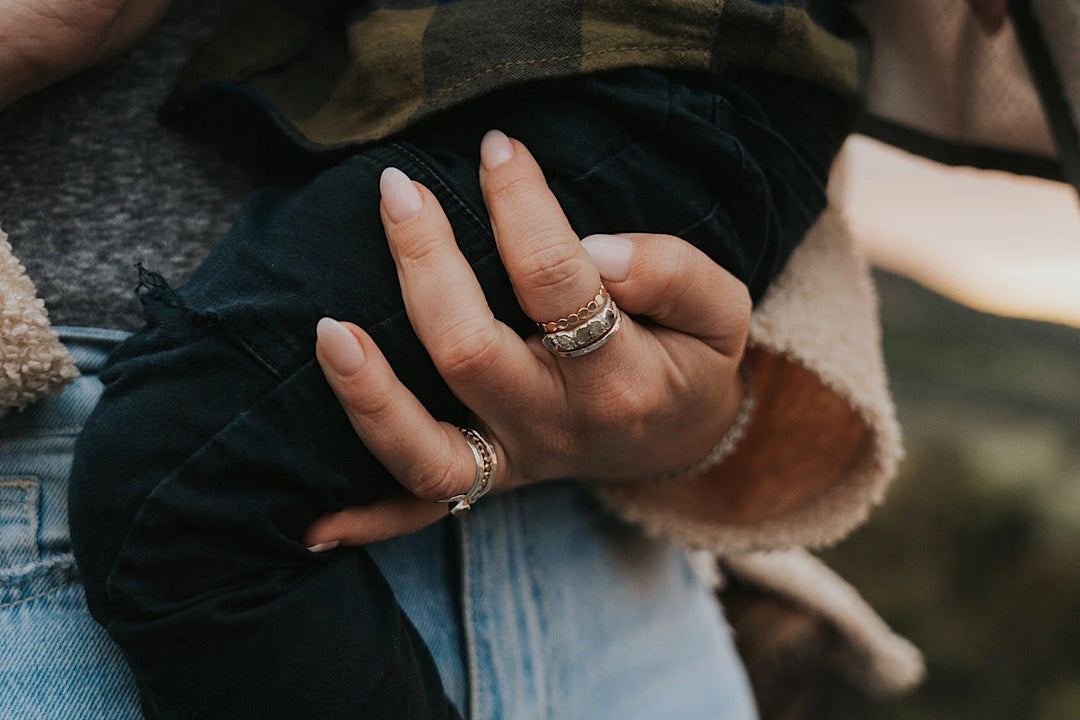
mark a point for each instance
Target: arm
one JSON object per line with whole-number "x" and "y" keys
{"x": 43, "y": 41}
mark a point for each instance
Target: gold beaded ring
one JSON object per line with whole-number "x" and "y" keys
{"x": 574, "y": 319}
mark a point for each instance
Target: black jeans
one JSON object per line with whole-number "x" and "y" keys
{"x": 217, "y": 440}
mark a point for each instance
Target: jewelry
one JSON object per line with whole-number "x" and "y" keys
{"x": 731, "y": 438}
{"x": 574, "y": 319}
{"x": 486, "y": 464}
{"x": 587, "y": 337}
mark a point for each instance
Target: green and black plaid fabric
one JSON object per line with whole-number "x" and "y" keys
{"x": 338, "y": 72}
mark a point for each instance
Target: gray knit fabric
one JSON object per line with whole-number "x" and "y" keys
{"x": 90, "y": 183}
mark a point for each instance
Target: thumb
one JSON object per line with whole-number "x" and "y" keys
{"x": 674, "y": 284}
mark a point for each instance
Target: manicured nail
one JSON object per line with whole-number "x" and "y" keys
{"x": 399, "y": 195}
{"x": 340, "y": 347}
{"x": 611, "y": 254}
{"x": 323, "y": 547}
{"x": 495, "y": 149}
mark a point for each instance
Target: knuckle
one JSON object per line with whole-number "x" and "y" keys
{"x": 438, "y": 478}
{"x": 368, "y": 397}
{"x": 673, "y": 287}
{"x": 435, "y": 482}
{"x": 552, "y": 266}
{"x": 465, "y": 353}
{"x": 630, "y": 409}
{"x": 419, "y": 243}
{"x": 738, "y": 307}
{"x": 514, "y": 189}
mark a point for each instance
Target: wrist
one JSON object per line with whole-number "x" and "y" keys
{"x": 732, "y": 436}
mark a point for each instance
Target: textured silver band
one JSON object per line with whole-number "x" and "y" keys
{"x": 486, "y": 465}
{"x": 588, "y": 336}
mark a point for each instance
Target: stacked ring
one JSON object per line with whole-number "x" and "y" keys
{"x": 586, "y": 336}
{"x": 486, "y": 464}
{"x": 574, "y": 319}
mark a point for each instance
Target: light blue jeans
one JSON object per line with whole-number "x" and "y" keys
{"x": 55, "y": 661}
{"x": 535, "y": 605}
{"x": 539, "y": 604}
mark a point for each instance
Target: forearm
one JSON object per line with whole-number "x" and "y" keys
{"x": 44, "y": 41}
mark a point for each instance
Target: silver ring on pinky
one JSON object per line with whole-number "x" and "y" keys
{"x": 486, "y": 465}
{"x": 588, "y": 337}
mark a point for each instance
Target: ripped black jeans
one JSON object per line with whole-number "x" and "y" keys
{"x": 217, "y": 441}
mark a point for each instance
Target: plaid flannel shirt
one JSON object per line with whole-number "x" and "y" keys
{"x": 335, "y": 72}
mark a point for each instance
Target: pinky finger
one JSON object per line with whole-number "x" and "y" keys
{"x": 364, "y": 524}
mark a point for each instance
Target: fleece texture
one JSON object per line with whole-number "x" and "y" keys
{"x": 823, "y": 443}
{"x": 874, "y": 657}
{"x": 32, "y": 360}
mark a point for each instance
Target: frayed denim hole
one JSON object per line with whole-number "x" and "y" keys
{"x": 19, "y": 511}
{"x": 161, "y": 303}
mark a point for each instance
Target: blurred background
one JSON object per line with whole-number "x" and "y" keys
{"x": 976, "y": 554}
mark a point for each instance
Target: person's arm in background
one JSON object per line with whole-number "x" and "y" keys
{"x": 43, "y": 41}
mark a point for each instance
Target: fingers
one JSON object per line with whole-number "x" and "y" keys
{"x": 429, "y": 458}
{"x": 364, "y": 524}
{"x": 552, "y": 275}
{"x": 676, "y": 285}
{"x": 445, "y": 303}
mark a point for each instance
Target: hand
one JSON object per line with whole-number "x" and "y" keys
{"x": 656, "y": 398}
{"x": 42, "y": 41}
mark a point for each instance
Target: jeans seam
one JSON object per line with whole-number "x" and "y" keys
{"x": 38, "y": 596}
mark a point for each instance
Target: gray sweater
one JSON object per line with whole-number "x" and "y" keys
{"x": 91, "y": 183}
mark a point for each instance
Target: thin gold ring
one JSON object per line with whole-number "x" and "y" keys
{"x": 577, "y": 317}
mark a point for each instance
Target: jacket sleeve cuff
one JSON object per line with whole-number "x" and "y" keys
{"x": 823, "y": 442}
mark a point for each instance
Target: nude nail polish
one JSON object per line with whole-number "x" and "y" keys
{"x": 495, "y": 149}
{"x": 400, "y": 197}
{"x": 340, "y": 347}
{"x": 612, "y": 255}
{"x": 323, "y": 547}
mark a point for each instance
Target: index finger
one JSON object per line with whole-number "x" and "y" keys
{"x": 552, "y": 274}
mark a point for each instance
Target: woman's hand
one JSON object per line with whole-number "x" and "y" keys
{"x": 42, "y": 41}
{"x": 655, "y": 399}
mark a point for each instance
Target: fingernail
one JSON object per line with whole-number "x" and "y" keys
{"x": 399, "y": 195}
{"x": 323, "y": 547}
{"x": 340, "y": 347}
{"x": 495, "y": 149}
{"x": 611, "y": 254}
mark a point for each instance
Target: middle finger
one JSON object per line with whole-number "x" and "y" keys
{"x": 476, "y": 355}
{"x": 552, "y": 274}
